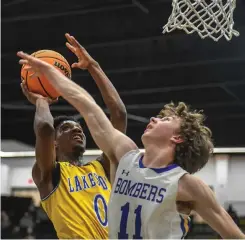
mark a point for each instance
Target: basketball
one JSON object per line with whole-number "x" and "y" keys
{"x": 40, "y": 84}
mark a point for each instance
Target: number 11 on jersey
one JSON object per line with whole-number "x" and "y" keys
{"x": 124, "y": 220}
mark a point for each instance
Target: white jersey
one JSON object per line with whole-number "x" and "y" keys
{"x": 143, "y": 201}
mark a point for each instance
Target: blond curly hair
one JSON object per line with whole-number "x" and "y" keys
{"x": 194, "y": 152}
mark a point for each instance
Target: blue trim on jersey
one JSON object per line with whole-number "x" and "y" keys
{"x": 158, "y": 170}
{"x": 182, "y": 226}
{"x": 185, "y": 225}
{"x": 189, "y": 224}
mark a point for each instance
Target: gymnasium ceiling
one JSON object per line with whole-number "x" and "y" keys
{"x": 147, "y": 68}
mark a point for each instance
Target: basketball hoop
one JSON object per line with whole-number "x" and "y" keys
{"x": 209, "y": 18}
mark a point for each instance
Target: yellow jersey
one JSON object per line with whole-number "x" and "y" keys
{"x": 78, "y": 205}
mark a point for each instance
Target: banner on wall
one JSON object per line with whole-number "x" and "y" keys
{"x": 22, "y": 178}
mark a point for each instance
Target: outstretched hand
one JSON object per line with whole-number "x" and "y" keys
{"x": 84, "y": 59}
{"x": 32, "y": 64}
{"x": 33, "y": 97}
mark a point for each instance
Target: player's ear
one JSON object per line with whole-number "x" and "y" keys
{"x": 177, "y": 139}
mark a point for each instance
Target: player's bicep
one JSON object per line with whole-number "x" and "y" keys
{"x": 36, "y": 174}
{"x": 219, "y": 220}
{"x": 123, "y": 144}
{"x": 110, "y": 167}
{"x": 206, "y": 205}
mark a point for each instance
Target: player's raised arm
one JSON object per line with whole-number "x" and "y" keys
{"x": 110, "y": 95}
{"x": 205, "y": 204}
{"x": 118, "y": 114}
{"x": 112, "y": 142}
{"x": 45, "y": 136}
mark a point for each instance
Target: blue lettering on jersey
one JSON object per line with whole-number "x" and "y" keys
{"x": 85, "y": 184}
{"x": 144, "y": 190}
{"x": 97, "y": 178}
{"x": 92, "y": 182}
{"x": 118, "y": 185}
{"x": 160, "y": 194}
{"x": 130, "y": 188}
{"x": 80, "y": 183}
{"x": 123, "y": 186}
{"x": 71, "y": 189}
{"x": 152, "y": 193}
{"x": 102, "y": 182}
{"x": 139, "y": 190}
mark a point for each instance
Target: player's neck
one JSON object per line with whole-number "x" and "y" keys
{"x": 158, "y": 157}
{"x": 75, "y": 159}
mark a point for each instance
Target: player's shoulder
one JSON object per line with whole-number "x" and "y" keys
{"x": 89, "y": 164}
{"x": 190, "y": 182}
{"x": 130, "y": 155}
{"x": 189, "y": 187}
{"x": 95, "y": 163}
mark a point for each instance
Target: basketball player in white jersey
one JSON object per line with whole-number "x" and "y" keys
{"x": 153, "y": 193}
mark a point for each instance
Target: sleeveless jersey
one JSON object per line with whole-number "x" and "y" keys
{"x": 77, "y": 207}
{"x": 143, "y": 201}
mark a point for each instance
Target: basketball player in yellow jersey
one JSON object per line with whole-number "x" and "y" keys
{"x": 74, "y": 195}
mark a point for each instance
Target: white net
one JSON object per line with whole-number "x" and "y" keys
{"x": 209, "y": 18}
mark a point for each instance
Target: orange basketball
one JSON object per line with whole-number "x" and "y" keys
{"x": 40, "y": 84}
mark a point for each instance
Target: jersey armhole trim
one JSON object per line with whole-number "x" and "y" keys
{"x": 56, "y": 171}
{"x": 100, "y": 161}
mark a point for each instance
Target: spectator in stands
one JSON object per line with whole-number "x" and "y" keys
{"x": 5, "y": 225}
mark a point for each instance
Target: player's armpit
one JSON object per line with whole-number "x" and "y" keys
{"x": 36, "y": 174}
{"x": 110, "y": 167}
{"x": 113, "y": 171}
{"x": 205, "y": 204}
{"x": 105, "y": 162}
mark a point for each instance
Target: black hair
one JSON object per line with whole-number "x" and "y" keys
{"x": 58, "y": 120}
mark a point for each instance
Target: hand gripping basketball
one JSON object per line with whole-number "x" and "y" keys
{"x": 33, "y": 97}
{"x": 36, "y": 65}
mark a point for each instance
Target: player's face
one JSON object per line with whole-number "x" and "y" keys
{"x": 163, "y": 130}
{"x": 70, "y": 137}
